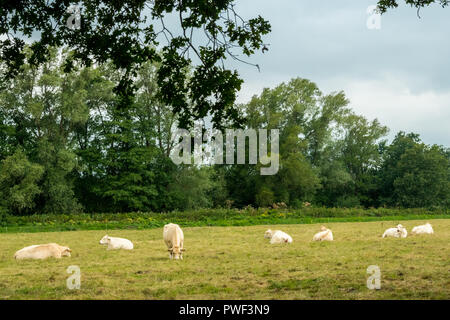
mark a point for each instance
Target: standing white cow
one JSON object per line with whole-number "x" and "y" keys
{"x": 398, "y": 232}
{"x": 324, "y": 235}
{"x": 174, "y": 238}
{"x": 116, "y": 243}
{"x": 423, "y": 229}
{"x": 277, "y": 236}
{"x": 43, "y": 251}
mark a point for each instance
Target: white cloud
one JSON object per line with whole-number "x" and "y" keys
{"x": 393, "y": 103}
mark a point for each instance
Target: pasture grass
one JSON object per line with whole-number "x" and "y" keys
{"x": 236, "y": 263}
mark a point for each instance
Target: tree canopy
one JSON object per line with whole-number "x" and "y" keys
{"x": 192, "y": 77}
{"x": 385, "y": 5}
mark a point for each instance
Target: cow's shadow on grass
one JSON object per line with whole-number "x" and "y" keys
{"x": 161, "y": 259}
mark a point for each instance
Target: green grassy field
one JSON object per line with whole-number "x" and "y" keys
{"x": 236, "y": 263}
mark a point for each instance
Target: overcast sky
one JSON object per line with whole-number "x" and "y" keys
{"x": 399, "y": 74}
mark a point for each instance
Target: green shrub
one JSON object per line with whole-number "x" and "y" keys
{"x": 206, "y": 217}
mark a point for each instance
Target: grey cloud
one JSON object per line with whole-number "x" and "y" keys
{"x": 328, "y": 42}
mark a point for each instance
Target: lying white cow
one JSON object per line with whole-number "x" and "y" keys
{"x": 324, "y": 235}
{"x": 423, "y": 229}
{"x": 277, "y": 236}
{"x": 398, "y": 232}
{"x": 174, "y": 238}
{"x": 43, "y": 251}
{"x": 116, "y": 243}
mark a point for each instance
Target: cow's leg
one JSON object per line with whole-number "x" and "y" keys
{"x": 181, "y": 250}
{"x": 169, "y": 248}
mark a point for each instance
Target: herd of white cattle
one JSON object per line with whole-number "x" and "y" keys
{"x": 174, "y": 238}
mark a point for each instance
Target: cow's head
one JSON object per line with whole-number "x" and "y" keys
{"x": 104, "y": 240}
{"x": 177, "y": 252}
{"x": 268, "y": 234}
{"x": 65, "y": 252}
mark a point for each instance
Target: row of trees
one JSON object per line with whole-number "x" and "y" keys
{"x": 333, "y": 157}
{"x": 67, "y": 145}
